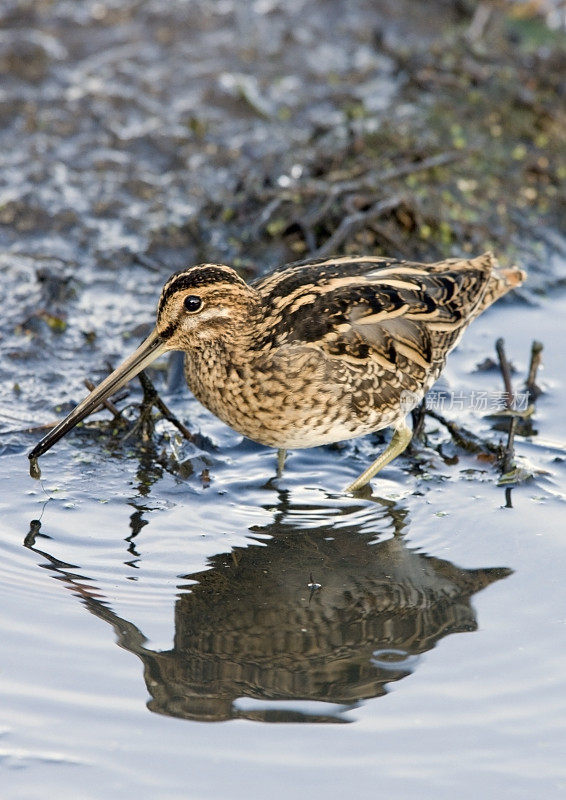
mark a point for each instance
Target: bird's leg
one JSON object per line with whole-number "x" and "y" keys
{"x": 398, "y": 443}
{"x": 281, "y": 455}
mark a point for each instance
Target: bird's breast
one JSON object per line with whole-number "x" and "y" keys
{"x": 288, "y": 399}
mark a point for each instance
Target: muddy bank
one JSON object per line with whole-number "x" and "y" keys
{"x": 136, "y": 138}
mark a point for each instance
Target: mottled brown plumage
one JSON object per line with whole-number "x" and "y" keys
{"x": 317, "y": 351}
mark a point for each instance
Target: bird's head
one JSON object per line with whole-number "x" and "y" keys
{"x": 198, "y": 307}
{"x": 204, "y": 304}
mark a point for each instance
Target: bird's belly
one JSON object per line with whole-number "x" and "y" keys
{"x": 275, "y": 413}
{"x": 297, "y": 428}
{"x": 296, "y": 438}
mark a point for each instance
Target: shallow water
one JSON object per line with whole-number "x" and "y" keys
{"x": 230, "y": 634}
{"x": 134, "y": 624}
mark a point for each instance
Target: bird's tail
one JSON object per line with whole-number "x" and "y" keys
{"x": 501, "y": 281}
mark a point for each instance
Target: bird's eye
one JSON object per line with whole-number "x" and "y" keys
{"x": 192, "y": 303}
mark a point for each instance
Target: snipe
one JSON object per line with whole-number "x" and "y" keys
{"x": 314, "y": 352}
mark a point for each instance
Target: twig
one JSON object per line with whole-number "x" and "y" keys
{"x": 314, "y": 217}
{"x": 266, "y": 215}
{"x": 355, "y": 222}
{"x": 505, "y": 372}
{"x": 147, "y": 262}
{"x": 308, "y": 235}
{"x": 462, "y": 437}
{"x": 373, "y": 182}
{"x": 509, "y": 453}
{"x": 35, "y": 429}
{"x": 152, "y": 396}
{"x": 536, "y": 358}
{"x": 479, "y": 23}
{"x": 536, "y": 230}
{"x": 49, "y": 425}
{"x": 106, "y": 403}
{"x": 412, "y": 167}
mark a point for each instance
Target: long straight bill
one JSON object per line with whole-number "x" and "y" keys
{"x": 147, "y": 352}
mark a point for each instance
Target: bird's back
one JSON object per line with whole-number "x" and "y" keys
{"x": 373, "y": 333}
{"x": 351, "y": 306}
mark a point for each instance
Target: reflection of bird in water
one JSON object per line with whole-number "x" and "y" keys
{"x": 314, "y": 352}
{"x": 249, "y": 627}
